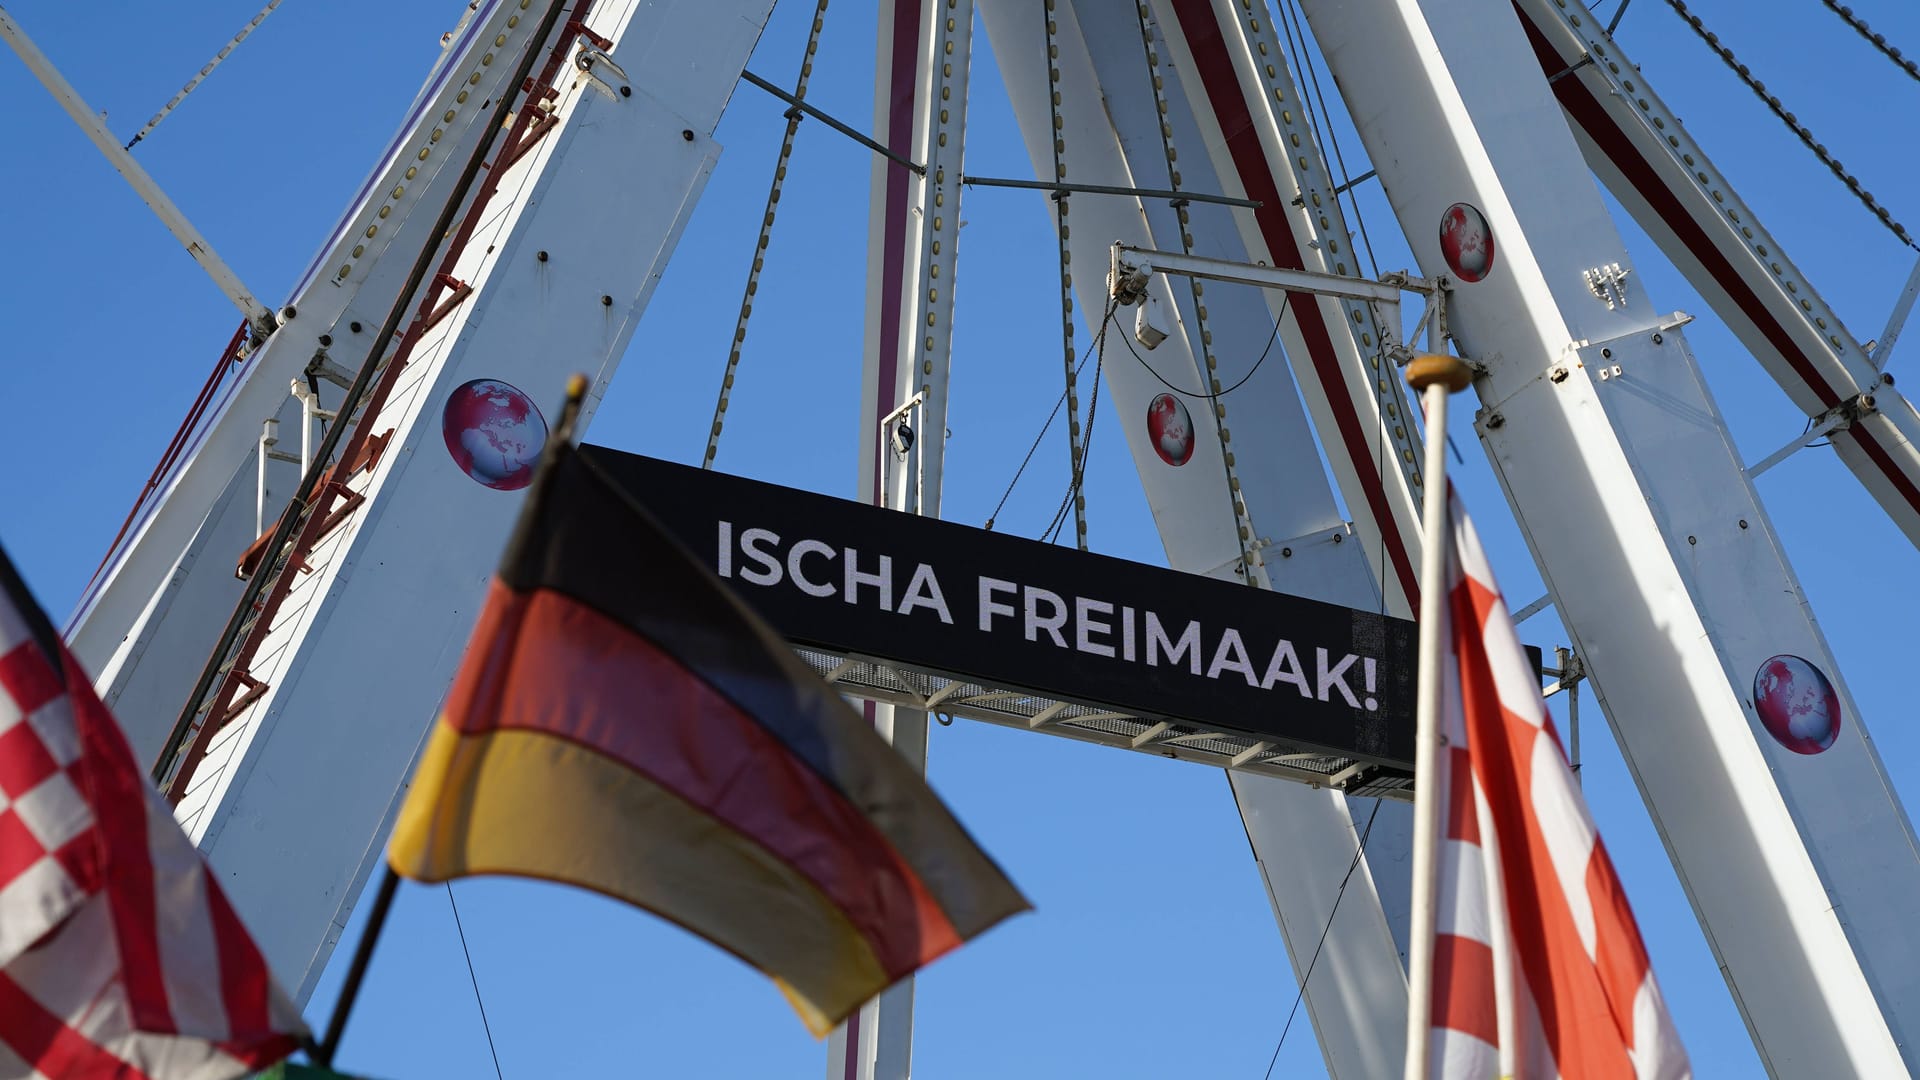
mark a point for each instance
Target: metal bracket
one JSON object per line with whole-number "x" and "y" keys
{"x": 322, "y": 367}
{"x": 1133, "y": 267}
{"x": 1882, "y": 350}
{"x": 600, "y": 68}
{"x": 1839, "y": 418}
{"x": 1608, "y": 283}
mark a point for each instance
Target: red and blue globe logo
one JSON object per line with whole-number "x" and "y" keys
{"x": 1466, "y": 241}
{"x": 1171, "y": 429}
{"x": 494, "y": 432}
{"x": 1797, "y": 704}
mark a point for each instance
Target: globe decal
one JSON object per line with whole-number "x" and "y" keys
{"x": 1797, "y": 704}
{"x": 1170, "y": 428}
{"x": 494, "y": 432}
{"x": 1467, "y": 242}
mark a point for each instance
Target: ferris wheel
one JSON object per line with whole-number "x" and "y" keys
{"x": 507, "y": 237}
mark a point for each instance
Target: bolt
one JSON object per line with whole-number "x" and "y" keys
{"x": 1338, "y": 537}
{"x": 541, "y": 255}
{"x": 1886, "y": 377}
{"x": 1657, "y": 339}
{"x": 1558, "y": 374}
{"x": 606, "y": 301}
{"x": 1606, "y": 352}
{"x": 1286, "y": 553}
{"x": 354, "y": 326}
{"x": 288, "y": 312}
{"x": 687, "y": 134}
{"x": 326, "y": 340}
{"x": 626, "y": 91}
{"x": 1495, "y": 421}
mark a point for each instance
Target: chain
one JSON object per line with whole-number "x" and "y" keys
{"x": 1879, "y": 40}
{"x": 194, "y": 83}
{"x": 1076, "y": 448}
{"x": 1243, "y": 523}
{"x": 766, "y": 234}
{"x": 1806, "y": 136}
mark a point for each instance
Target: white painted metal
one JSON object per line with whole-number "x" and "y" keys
{"x": 912, "y": 255}
{"x": 1260, "y": 142}
{"x": 367, "y": 641}
{"x": 1897, "y": 319}
{"x": 1660, "y": 174}
{"x": 176, "y": 222}
{"x": 1657, "y": 553}
{"x": 152, "y": 615}
{"x": 1304, "y": 839}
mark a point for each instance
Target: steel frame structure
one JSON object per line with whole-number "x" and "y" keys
{"x": 1798, "y": 874}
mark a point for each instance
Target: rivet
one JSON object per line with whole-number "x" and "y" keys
{"x": 687, "y": 134}
{"x": 541, "y": 255}
{"x": 606, "y": 301}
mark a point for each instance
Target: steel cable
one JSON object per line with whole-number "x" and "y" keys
{"x": 765, "y": 237}
{"x": 1879, "y": 41}
{"x": 1793, "y": 123}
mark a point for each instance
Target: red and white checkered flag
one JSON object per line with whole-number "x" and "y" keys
{"x": 1538, "y": 966}
{"x": 119, "y": 955}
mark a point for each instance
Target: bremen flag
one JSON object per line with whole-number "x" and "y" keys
{"x": 1538, "y": 967}
{"x": 622, "y": 723}
{"x": 119, "y": 955}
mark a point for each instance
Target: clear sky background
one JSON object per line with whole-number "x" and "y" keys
{"x": 1152, "y": 952}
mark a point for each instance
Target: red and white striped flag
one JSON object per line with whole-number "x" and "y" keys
{"x": 1538, "y": 966}
{"x": 119, "y": 955}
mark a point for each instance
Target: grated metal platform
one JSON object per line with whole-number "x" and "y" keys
{"x": 872, "y": 681}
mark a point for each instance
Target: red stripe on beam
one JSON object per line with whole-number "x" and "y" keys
{"x": 905, "y": 70}
{"x": 557, "y": 666}
{"x": 1593, "y": 119}
{"x": 1235, "y": 120}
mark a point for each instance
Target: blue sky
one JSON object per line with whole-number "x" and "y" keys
{"x": 1152, "y": 952}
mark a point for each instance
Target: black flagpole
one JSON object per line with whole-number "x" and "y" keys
{"x": 560, "y": 442}
{"x": 322, "y": 1054}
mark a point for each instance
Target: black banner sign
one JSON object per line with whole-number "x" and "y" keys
{"x": 957, "y": 601}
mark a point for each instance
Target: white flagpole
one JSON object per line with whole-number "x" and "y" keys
{"x": 1434, "y": 377}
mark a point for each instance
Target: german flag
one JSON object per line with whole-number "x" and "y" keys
{"x": 622, "y": 723}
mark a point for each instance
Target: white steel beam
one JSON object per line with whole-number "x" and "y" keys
{"x": 1265, "y": 277}
{"x": 1304, "y": 840}
{"x": 1795, "y": 853}
{"x": 920, "y": 109}
{"x": 148, "y": 620}
{"x": 371, "y": 635}
{"x": 1653, "y": 166}
{"x": 136, "y": 177}
{"x": 1897, "y": 319}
